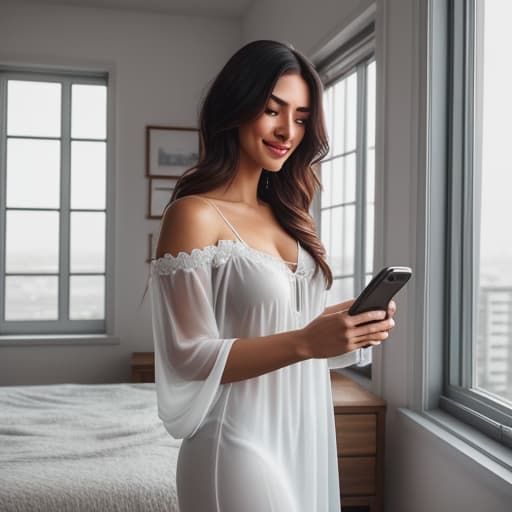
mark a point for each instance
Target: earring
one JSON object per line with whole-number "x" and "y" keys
{"x": 266, "y": 184}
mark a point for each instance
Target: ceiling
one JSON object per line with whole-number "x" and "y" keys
{"x": 230, "y": 9}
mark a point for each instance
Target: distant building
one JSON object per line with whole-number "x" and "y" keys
{"x": 494, "y": 341}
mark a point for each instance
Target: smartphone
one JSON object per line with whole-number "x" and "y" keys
{"x": 380, "y": 290}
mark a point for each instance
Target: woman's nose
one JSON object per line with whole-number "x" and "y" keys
{"x": 285, "y": 129}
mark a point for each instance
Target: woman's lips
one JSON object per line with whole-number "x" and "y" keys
{"x": 276, "y": 149}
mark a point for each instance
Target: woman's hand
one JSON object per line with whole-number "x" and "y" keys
{"x": 335, "y": 332}
{"x": 345, "y": 306}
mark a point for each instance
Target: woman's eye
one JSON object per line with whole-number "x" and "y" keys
{"x": 271, "y": 112}
{"x": 302, "y": 121}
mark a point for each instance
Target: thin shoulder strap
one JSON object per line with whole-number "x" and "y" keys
{"x": 222, "y": 215}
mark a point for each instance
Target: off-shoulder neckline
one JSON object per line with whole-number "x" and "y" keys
{"x": 209, "y": 251}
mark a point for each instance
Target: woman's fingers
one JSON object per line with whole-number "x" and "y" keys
{"x": 372, "y": 316}
{"x": 364, "y": 318}
{"x": 375, "y": 336}
{"x": 374, "y": 327}
{"x": 372, "y": 339}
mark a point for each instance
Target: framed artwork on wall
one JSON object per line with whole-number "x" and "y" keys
{"x": 160, "y": 191}
{"x": 152, "y": 243}
{"x": 170, "y": 150}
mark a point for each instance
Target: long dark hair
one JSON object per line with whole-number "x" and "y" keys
{"x": 239, "y": 94}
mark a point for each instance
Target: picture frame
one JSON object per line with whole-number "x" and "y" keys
{"x": 152, "y": 244}
{"x": 170, "y": 150}
{"x": 160, "y": 191}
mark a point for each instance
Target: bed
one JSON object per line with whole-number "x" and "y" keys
{"x": 75, "y": 447}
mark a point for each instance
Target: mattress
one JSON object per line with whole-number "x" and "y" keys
{"x": 75, "y": 447}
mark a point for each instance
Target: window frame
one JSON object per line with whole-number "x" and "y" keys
{"x": 12, "y": 329}
{"x": 446, "y": 275}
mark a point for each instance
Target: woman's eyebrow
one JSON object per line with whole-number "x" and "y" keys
{"x": 285, "y": 104}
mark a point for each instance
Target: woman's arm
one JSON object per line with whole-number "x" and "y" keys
{"x": 251, "y": 357}
{"x": 188, "y": 224}
{"x": 328, "y": 335}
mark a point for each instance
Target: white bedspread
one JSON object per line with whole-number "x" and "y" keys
{"x": 73, "y": 447}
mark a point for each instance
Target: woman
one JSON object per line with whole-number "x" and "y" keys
{"x": 238, "y": 294}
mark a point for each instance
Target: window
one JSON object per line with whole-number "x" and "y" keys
{"x": 53, "y": 215}
{"x": 348, "y": 176}
{"x": 478, "y": 377}
{"x": 348, "y": 172}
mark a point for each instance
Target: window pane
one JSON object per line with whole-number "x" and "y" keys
{"x": 370, "y": 208}
{"x": 326, "y": 172}
{"x": 32, "y": 242}
{"x": 88, "y": 111}
{"x": 87, "y": 297}
{"x": 494, "y": 289}
{"x": 88, "y": 174}
{"x": 342, "y": 248}
{"x": 370, "y": 176}
{"x": 370, "y": 165}
{"x": 325, "y": 230}
{"x": 342, "y": 289}
{"x": 33, "y": 108}
{"x": 345, "y": 115}
{"x": 370, "y": 212}
{"x": 370, "y": 105}
{"x": 344, "y": 179}
{"x": 31, "y": 298}
{"x": 338, "y": 130}
{"x": 33, "y": 173}
{"x": 87, "y": 242}
{"x": 351, "y": 122}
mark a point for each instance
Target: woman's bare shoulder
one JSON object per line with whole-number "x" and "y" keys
{"x": 187, "y": 223}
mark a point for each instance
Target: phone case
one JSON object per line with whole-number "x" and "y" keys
{"x": 380, "y": 290}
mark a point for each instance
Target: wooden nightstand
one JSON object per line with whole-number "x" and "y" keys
{"x": 143, "y": 367}
{"x": 360, "y": 421}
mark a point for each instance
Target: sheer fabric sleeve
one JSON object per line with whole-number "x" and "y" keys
{"x": 190, "y": 356}
{"x": 359, "y": 357}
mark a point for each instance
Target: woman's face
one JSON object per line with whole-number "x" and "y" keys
{"x": 268, "y": 141}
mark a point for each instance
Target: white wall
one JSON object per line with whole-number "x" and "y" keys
{"x": 161, "y": 65}
{"x": 422, "y": 473}
{"x": 304, "y": 24}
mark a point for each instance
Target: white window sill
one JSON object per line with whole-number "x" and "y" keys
{"x": 489, "y": 455}
{"x": 58, "y": 339}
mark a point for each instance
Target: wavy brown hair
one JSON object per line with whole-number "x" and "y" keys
{"x": 239, "y": 94}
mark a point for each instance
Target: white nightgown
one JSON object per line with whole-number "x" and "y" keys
{"x": 258, "y": 445}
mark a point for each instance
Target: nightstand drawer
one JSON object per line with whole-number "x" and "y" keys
{"x": 357, "y": 476}
{"x": 143, "y": 367}
{"x": 356, "y": 434}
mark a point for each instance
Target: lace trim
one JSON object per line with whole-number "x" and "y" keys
{"x": 219, "y": 254}
{"x": 211, "y": 254}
